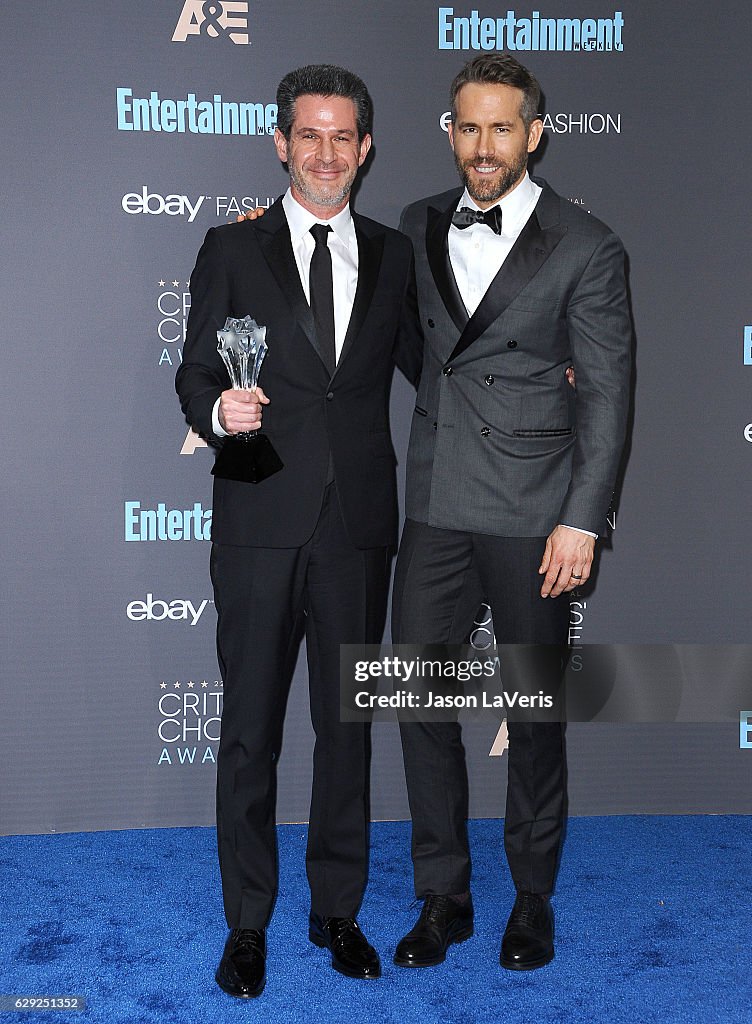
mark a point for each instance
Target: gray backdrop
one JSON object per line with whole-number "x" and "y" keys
{"x": 110, "y": 686}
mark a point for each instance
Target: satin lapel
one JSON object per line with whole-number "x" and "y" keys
{"x": 531, "y": 250}
{"x": 370, "y": 251}
{"x": 437, "y": 249}
{"x": 274, "y": 239}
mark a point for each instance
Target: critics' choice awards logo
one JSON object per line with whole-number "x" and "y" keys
{"x": 188, "y": 721}
{"x": 172, "y": 307}
{"x": 537, "y": 33}
{"x": 213, "y": 18}
{"x": 480, "y": 638}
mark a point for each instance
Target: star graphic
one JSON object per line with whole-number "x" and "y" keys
{"x": 177, "y": 685}
{"x": 175, "y": 284}
{"x": 204, "y": 683}
{"x": 191, "y": 684}
{"x": 161, "y": 284}
{"x": 163, "y": 686}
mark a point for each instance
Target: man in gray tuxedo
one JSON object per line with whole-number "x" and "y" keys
{"x": 509, "y": 476}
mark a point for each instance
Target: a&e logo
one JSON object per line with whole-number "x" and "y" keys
{"x": 213, "y": 18}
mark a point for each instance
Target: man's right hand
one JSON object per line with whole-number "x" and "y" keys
{"x": 251, "y": 214}
{"x": 240, "y": 411}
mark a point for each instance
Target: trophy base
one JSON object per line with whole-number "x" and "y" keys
{"x": 248, "y": 459}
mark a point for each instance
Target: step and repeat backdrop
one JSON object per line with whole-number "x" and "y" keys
{"x": 129, "y": 129}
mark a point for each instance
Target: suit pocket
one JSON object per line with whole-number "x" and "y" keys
{"x": 561, "y": 432}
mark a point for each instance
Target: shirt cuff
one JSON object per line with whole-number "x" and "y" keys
{"x": 578, "y": 530}
{"x": 216, "y": 425}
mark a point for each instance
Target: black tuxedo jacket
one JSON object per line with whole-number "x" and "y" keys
{"x": 249, "y": 268}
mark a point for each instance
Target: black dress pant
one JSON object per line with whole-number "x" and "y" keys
{"x": 265, "y": 598}
{"x": 441, "y": 579}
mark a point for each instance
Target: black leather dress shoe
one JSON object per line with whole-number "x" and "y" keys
{"x": 352, "y": 954}
{"x": 529, "y": 937}
{"x": 442, "y": 921}
{"x": 241, "y": 970}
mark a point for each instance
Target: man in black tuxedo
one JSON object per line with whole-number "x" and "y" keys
{"x": 309, "y": 547}
{"x": 509, "y": 476}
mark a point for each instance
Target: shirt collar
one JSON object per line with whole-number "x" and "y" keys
{"x": 514, "y": 205}
{"x": 300, "y": 221}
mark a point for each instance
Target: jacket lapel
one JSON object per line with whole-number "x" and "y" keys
{"x": 437, "y": 250}
{"x": 276, "y": 246}
{"x": 528, "y": 254}
{"x": 370, "y": 251}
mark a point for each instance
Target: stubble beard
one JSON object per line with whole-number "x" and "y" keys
{"x": 489, "y": 191}
{"x": 323, "y": 195}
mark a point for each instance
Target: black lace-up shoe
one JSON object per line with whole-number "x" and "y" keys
{"x": 241, "y": 970}
{"x": 529, "y": 937}
{"x": 352, "y": 955}
{"x": 443, "y": 920}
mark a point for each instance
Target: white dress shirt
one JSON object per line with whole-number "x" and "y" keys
{"x": 477, "y": 253}
{"x": 343, "y": 246}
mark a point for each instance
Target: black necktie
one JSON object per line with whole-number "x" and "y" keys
{"x": 464, "y": 217}
{"x": 322, "y": 295}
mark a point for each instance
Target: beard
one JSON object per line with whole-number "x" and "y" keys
{"x": 321, "y": 194}
{"x": 488, "y": 191}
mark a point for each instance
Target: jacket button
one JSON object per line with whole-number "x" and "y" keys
{"x": 485, "y": 431}
{"x": 447, "y": 371}
{"x": 329, "y": 396}
{"x": 430, "y": 322}
{"x": 511, "y": 343}
{"x": 489, "y": 380}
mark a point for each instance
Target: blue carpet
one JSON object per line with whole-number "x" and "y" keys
{"x": 653, "y": 924}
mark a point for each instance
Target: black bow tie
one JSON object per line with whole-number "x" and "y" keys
{"x": 464, "y": 217}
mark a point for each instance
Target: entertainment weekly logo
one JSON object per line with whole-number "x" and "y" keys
{"x": 192, "y": 114}
{"x": 213, "y": 20}
{"x": 748, "y": 346}
{"x": 162, "y": 524}
{"x": 533, "y": 33}
{"x": 189, "y": 714}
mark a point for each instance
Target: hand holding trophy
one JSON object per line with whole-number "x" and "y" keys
{"x": 248, "y": 457}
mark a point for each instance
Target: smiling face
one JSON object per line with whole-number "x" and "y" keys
{"x": 490, "y": 140}
{"x": 323, "y": 153}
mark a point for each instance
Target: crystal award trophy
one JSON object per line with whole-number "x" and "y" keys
{"x": 248, "y": 457}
